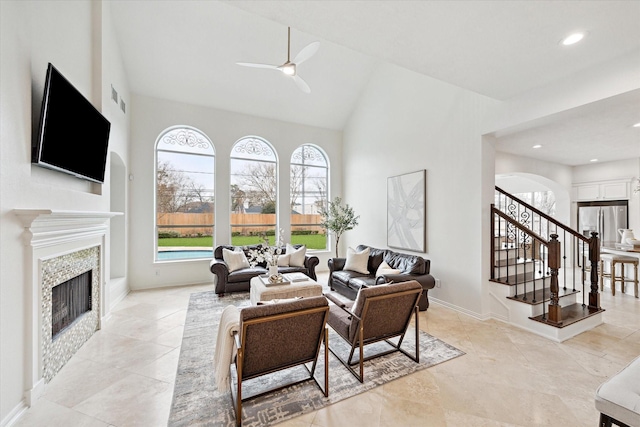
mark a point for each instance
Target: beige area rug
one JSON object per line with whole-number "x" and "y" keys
{"x": 197, "y": 402}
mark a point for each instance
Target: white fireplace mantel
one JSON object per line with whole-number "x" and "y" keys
{"x": 51, "y": 227}
{"x": 48, "y": 234}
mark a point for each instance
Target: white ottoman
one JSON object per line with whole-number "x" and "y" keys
{"x": 618, "y": 398}
{"x": 261, "y": 292}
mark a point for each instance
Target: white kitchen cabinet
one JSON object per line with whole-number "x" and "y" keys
{"x": 608, "y": 190}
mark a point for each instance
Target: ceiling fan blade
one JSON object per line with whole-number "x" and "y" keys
{"x": 306, "y": 53}
{"x": 301, "y": 84}
{"x": 251, "y": 64}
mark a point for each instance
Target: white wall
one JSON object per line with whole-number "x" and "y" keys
{"x": 114, "y": 75}
{"x": 150, "y": 117}
{"x": 31, "y": 35}
{"x": 406, "y": 122}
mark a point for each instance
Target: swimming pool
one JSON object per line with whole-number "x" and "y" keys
{"x": 184, "y": 254}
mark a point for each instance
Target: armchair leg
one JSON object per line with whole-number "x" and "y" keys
{"x": 326, "y": 361}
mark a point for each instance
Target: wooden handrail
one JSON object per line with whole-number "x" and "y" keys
{"x": 553, "y": 257}
{"x": 545, "y": 216}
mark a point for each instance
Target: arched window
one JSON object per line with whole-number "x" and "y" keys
{"x": 254, "y": 191}
{"x": 309, "y": 191}
{"x": 185, "y": 171}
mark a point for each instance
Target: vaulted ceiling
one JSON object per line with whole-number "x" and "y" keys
{"x": 187, "y": 51}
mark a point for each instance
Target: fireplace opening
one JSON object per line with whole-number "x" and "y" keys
{"x": 69, "y": 301}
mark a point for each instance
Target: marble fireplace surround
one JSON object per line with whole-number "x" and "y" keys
{"x": 59, "y": 245}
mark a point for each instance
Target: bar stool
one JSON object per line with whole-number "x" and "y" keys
{"x": 613, "y": 278}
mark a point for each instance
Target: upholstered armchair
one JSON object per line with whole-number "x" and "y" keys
{"x": 278, "y": 336}
{"x": 379, "y": 313}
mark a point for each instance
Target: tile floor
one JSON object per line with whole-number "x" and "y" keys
{"x": 123, "y": 376}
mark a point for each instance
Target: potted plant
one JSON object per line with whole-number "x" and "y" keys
{"x": 338, "y": 218}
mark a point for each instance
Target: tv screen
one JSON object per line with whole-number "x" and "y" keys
{"x": 73, "y": 135}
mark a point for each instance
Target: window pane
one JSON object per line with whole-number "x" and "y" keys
{"x": 253, "y": 192}
{"x": 184, "y": 195}
{"x": 308, "y": 187}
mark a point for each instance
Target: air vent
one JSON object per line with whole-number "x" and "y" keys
{"x": 123, "y": 106}
{"x": 114, "y": 94}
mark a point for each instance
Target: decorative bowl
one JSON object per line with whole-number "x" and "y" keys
{"x": 276, "y": 278}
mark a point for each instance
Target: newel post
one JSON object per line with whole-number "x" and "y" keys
{"x": 555, "y": 310}
{"x": 594, "y": 258}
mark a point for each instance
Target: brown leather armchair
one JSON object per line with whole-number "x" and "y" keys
{"x": 379, "y": 313}
{"x": 273, "y": 337}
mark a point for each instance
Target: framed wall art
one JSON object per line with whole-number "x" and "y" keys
{"x": 406, "y": 211}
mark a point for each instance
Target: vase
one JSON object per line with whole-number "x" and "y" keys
{"x": 273, "y": 270}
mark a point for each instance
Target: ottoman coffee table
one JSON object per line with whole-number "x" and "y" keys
{"x": 263, "y": 292}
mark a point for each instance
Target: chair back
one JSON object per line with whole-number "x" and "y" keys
{"x": 385, "y": 310}
{"x": 275, "y": 336}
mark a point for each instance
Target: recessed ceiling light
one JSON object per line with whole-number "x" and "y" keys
{"x": 572, "y": 39}
{"x": 593, "y": 160}
{"x": 637, "y": 125}
{"x": 537, "y": 146}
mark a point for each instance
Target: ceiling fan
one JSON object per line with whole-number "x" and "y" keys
{"x": 289, "y": 68}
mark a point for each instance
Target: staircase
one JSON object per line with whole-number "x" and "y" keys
{"x": 544, "y": 275}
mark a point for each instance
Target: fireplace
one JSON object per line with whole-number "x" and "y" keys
{"x": 65, "y": 287}
{"x": 70, "y": 305}
{"x": 69, "y": 301}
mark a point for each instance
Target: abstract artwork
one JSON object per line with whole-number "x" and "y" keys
{"x": 406, "y": 206}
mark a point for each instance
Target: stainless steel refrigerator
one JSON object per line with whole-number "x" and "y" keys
{"x": 605, "y": 218}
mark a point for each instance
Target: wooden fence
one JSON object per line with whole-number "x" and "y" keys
{"x": 192, "y": 224}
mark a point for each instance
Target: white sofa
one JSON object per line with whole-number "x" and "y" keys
{"x": 618, "y": 398}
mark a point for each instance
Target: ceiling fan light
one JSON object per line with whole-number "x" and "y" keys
{"x": 289, "y": 69}
{"x": 572, "y": 39}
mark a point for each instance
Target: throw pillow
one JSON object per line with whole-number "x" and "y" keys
{"x": 278, "y": 300}
{"x": 357, "y": 261}
{"x": 235, "y": 259}
{"x": 296, "y": 256}
{"x": 283, "y": 260}
{"x": 386, "y": 269}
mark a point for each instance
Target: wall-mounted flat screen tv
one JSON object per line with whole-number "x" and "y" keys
{"x": 73, "y": 135}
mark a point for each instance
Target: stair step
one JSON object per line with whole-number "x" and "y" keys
{"x": 518, "y": 279}
{"x": 536, "y": 297}
{"x": 570, "y": 314}
{"x": 512, "y": 261}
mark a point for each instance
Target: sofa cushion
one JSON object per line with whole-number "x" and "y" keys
{"x": 296, "y": 256}
{"x": 410, "y": 264}
{"x": 344, "y": 276}
{"x": 245, "y": 274}
{"x": 291, "y": 269}
{"x": 376, "y": 256}
{"x": 235, "y": 259}
{"x": 283, "y": 260}
{"x": 357, "y": 261}
{"x": 384, "y": 268}
{"x": 361, "y": 282}
{"x": 619, "y": 396}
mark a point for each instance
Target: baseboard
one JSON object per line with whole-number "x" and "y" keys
{"x": 119, "y": 289}
{"x": 14, "y": 415}
{"x": 460, "y": 309}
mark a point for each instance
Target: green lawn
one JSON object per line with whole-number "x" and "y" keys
{"x": 312, "y": 241}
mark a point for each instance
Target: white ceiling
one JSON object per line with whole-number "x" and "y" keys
{"x": 187, "y": 50}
